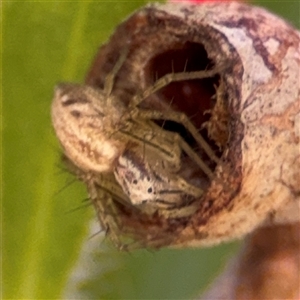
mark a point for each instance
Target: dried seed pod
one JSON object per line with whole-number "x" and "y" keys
{"x": 252, "y": 126}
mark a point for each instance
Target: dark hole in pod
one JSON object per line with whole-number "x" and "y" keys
{"x": 192, "y": 97}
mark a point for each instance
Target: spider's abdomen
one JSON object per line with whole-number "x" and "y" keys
{"x": 84, "y": 127}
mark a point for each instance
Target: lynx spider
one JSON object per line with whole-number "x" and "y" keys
{"x": 96, "y": 130}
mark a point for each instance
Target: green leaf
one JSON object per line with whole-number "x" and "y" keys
{"x": 43, "y": 43}
{"x": 46, "y": 251}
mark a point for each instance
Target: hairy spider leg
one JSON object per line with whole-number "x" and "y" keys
{"x": 172, "y": 77}
{"x": 178, "y": 117}
{"x": 110, "y": 78}
{"x": 165, "y": 152}
{"x": 147, "y": 115}
{"x": 103, "y": 193}
{"x": 106, "y": 220}
{"x": 182, "y": 119}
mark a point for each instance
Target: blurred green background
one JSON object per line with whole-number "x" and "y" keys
{"x": 43, "y": 255}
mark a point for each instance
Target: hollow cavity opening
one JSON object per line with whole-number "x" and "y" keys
{"x": 192, "y": 97}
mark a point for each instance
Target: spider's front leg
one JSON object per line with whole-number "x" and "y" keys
{"x": 105, "y": 193}
{"x": 180, "y": 118}
{"x": 173, "y": 77}
{"x": 110, "y": 78}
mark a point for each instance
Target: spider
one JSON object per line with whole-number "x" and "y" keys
{"x": 100, "y": 134}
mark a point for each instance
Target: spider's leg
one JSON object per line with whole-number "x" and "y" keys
{"x": 110, "y": 78}
{"x": 158, "y": 140}
{"x": 172, "y": 77}
{"x": 193, "y": 155}
{"x": 103, "y": 195}
{"x": 168, "y": 151}
{"x": 180, "y": 118}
